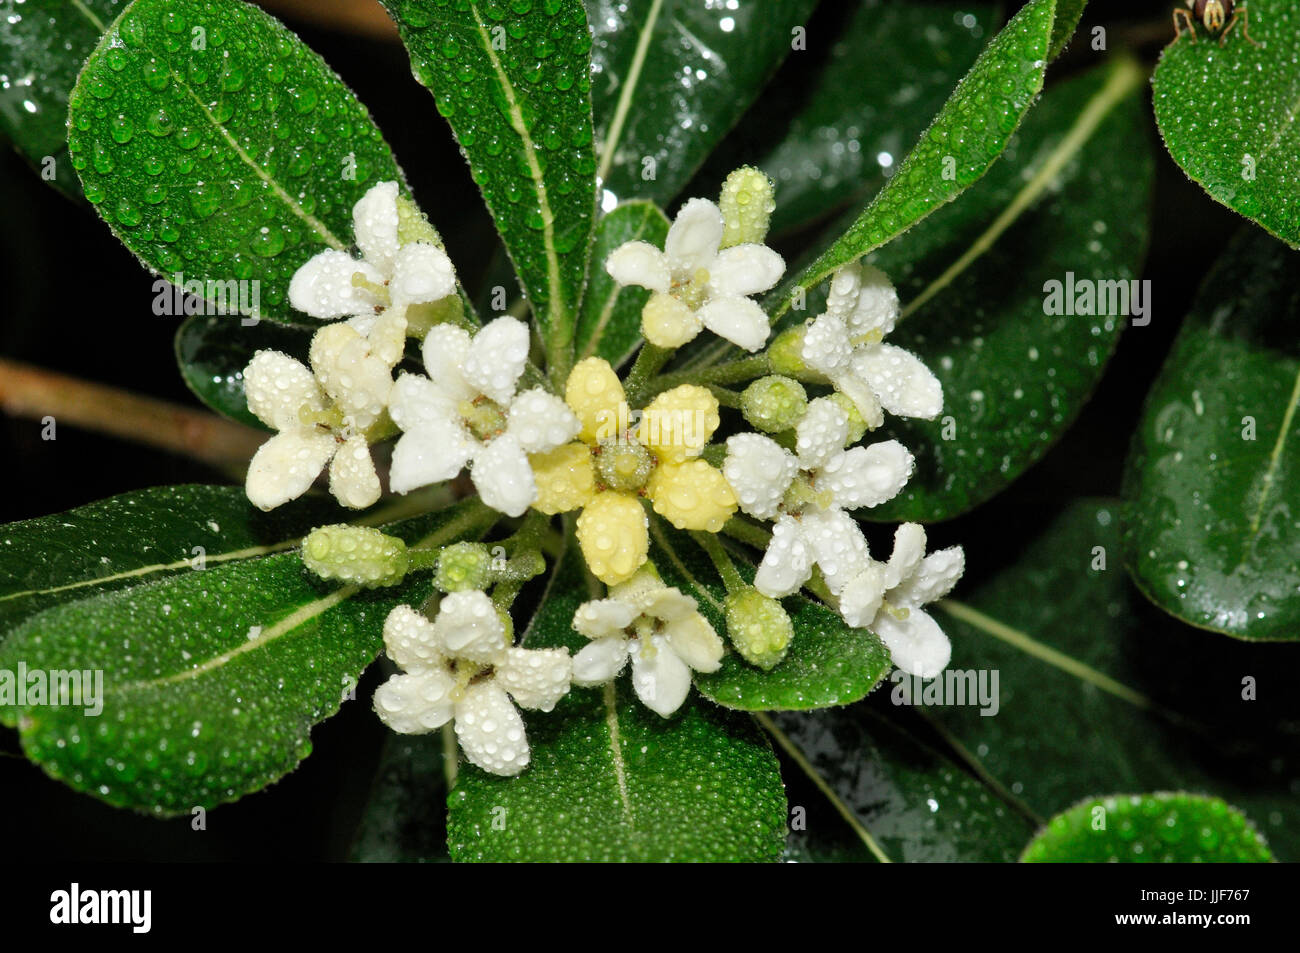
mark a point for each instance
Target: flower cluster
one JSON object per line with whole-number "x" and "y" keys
{"x": 627, "y": 458}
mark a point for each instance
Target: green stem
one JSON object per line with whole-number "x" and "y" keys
{"x": 419, "y": 559}
{"x": 648, "y": 362}
{"x": 727, "y": 398}
{"x": 721, "y": 561}
{"x": 747, "y": 532}
{"x": 746, "y": 369}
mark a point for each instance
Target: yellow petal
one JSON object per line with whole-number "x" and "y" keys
{"x": 594, "y": 393}
{"x": 614, "y": 534}
{"x": 678, "y": 423}
{"x": 668, "y": 322}
{"x": 692, "y": 495}
{"x": 565, "y": 478}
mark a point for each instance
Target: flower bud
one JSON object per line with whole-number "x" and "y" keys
{"x": 355, "y": 554}
{"x": 747, "y": 205}
{"x": 774, "y": 403}
{"x": 463, "y": 566}
{"x": 785, "y": 354}
{"x": 413, "y": 225}
{"x": 857, "y": 423}
{"x": 758, "y": 627}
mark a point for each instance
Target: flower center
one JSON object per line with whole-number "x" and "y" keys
{"x": 622, "y": 465}
{"x": 803, "y": 493}
{"x": 359, "y": 280}
{"x": 694, "y": 290}
{"x": 330, "y": 418}
{"x": 483, "y": 416}
{"x": 874, "y": 336}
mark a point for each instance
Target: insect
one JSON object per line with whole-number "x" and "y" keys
{"x": 1218, "y": 16}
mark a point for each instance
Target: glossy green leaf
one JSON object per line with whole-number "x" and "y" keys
{"x": 965, "y": 139}
{"x": 903, "y": 800}
{"x": 612, "y": 780}
{"x": 828, "y": 663}
{"x": 514, "y": 82}
{"x": 975, "y": 282}
{"x": 405, "y": 819}
{"x": 1213, "y": 525}
{"x": 1068, "y": 14}
{"x": 1170, "y": 828}
{"x": 212, "y": 351}
{"x": 43, "y": 44}
{"x": 1100, "y": 692}
{"x": 671, "y": 77}
{"x": 609, "y": 324}
{"x": 210, "y": 680}
{"x": 218, "y": 147}
{"x": 1227, "y": 115}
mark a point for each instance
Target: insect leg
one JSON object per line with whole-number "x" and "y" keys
{"x": 1183, "y": 22}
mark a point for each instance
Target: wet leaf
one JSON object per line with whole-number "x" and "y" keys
{"x": 405, "y": 818}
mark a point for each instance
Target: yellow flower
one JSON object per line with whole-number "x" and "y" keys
{"x": 614, "y": 463}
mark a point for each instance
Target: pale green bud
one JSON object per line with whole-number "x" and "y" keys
{"x": 464, "y": 566}
{"x": 747, "y": 204}
{"x": 413, "y": 225}
{"x": 355, "y": 554}
{"x": 785, "y": 353}
{"x": 758, "y": 627}
{"x": 857, "y": 425}
{"x": 421, "y": 317}
{"x": 774, "y": 403}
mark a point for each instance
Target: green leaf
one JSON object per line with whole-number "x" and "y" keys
{"x": 218, "y": 147}
{"x": 842, "y": 128}
{"x": 1100, "y": 692}
{"x": 1149, "y": 828}
{"x": 1227, "y": 115}
{"x": 1213, "y": 476}
{"x": 612, "y": 780}
{"x": 609, "y": 324}
{"x": 41, "y": 53}
{"x": 405, "y": 819}
{"x": 672, "y": 76}
{"x": 212, "y": 351}
{"x": 828, "y": 663}
{"x": 210, "y": 681}
{"x": 516, "y": 89}
{"x": 1068, "y": 15}
{"x": 138, "y": 538}
{"x": 975, "y": 278}
{"x": 965, "y": 139}
{"x": 901, "y": 799}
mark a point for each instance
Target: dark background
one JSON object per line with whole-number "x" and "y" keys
{"x": 76, "y": 301}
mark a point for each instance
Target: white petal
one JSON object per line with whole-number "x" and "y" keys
{"x": 469, "y": 627}
{"x": 410, "y": 639}
{"x": 353, "y": 479}
{"x": 759, "y": 470}
{"x": 877, "y": 304}
{"x": 788, "y": 561}
{"x": 429, "y": 453}
{"x": 905, "y": 386}
{"x": 639, "y": 263}
{"x": 909, "y": 551}
{"x": 660, "y": 679}
{"x": 842, "y": 296}
{"x": 739, "y": 320}
{"x": 497, "y": 357}
{"x": 416, "y": 703}
{"x": 421, "y": 273}
{"x": 826, "y": 345}
{"x": 695, "y": 642}
{"x": 445, "y": 350}
{"x": 917, "y": 644}
{"x": 603, "y": 618}
{"x": 862, "y": 595}
{"x": 668, "y": 604}
{"x": 277, "y": 387}
{"x": 541, "y": 421}
{"x": 837, "y": 544}
{"x": 323, "y": 288}
{"x": 868, "y": 476}
{"x": 535, "y": 678}
{"x": 386, "y": 336}
{"x": 490, "y": 730}
{"x": 599, "y": 662}
{"x": 374, "y": 225}
{"x": 848, "y": 383}
{"x": 416, "y": 401}
{"x": 745, "y": 270}
{"x": 286, "y": 465}
{"x": 694, "y": 237}
{"x": 359, "y": 382}
{"x": 503, "y": 476}
{"x": 933, "y": 579}
{"x": 820, "y": 435}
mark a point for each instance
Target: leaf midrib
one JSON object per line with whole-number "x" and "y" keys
{"x": 631, "y": 81}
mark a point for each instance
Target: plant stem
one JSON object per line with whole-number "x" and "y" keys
{"x": 721, "y": 561}
{"x": 745, "y": 369}
{"x": 648, "y": 362}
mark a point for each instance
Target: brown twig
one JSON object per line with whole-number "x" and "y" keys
{"x": 363, "y": 17}
{"x": 27, "y": 391}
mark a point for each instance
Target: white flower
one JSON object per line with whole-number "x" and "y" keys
{"x": 808, "y": 494}
{"x": 461, "y": 668}
{"x": 887, "y": 598}
{"x": 697, "y": 286}
{"x": 467, "y": 411}
{"x": 659, "y": 628}
{"x": 389, "y": 274}
{"x": 322, "y": 413}
{"x": 845, "y": 344}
